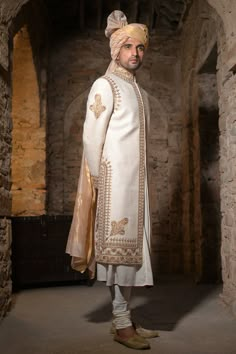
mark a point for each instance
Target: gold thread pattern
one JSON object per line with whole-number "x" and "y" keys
{"x": 142, "y": 153}
{"x": 118, "y": 227}
{"x": 115, "y": 91}
{"x": 97, "y": 108}
{"x": 104, "y": 205}
{"x": 124, "y": 74}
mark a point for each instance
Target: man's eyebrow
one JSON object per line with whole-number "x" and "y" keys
{"x": 140, "y": 46}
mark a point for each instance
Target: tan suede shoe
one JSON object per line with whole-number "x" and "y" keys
{"x": 146, "y": 333}
{"x": 134, "y": 342}
{"x": 142, "y": 332}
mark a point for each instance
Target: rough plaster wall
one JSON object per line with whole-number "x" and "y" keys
{"x": 75, "y": 63}
{"x": 202, "y": 26}
{"x": 227, "y": 105}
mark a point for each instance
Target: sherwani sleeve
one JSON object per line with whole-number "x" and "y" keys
{"x": 98, "y": 114}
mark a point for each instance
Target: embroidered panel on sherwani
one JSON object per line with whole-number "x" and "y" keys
{"x": 115, "y": 148}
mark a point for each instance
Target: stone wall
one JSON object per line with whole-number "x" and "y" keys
{"x": 202, "y": 32}
{"x": 13, "y": 16}
{"x": 75, "y": 62}
{"x": 5, "y": 147}
{"x": 227, "y": 105}
{"x": 5, "y": 182}
{"x": 5, "y": 266}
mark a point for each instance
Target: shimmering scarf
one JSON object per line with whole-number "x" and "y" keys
{"x": 80, "y": 244}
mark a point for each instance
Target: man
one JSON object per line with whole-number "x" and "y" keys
{"x": 115, "y": 158}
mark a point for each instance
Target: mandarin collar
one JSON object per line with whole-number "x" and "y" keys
{"x": 124, "y": 74}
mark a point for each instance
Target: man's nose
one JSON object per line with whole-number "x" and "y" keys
{"x": 135, "y": 51}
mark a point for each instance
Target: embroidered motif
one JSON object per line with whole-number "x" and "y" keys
{"x": 118, "y": 227}
{"x": 97, "y": 108}
{"x": 115, "y": 91}
{"x": 104, "y": 203}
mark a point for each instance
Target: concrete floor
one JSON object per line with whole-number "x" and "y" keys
{"x": 76, "y": 320}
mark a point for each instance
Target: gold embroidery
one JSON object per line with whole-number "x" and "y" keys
{"x": 104, "y": 204}
{"x": 124, "y": 74}
{"x": 118, "y": 227}
{"x": 142, "y": 149}
{"x": 97, "y": 108}
{"x": 115, "y": 91}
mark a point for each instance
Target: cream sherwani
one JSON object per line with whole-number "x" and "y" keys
{"x": 115, "y": 148}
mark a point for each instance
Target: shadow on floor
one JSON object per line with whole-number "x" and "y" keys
{"x": 163, "y": 305}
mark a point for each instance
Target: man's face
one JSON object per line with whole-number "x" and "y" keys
{"x": 131, "y": 55}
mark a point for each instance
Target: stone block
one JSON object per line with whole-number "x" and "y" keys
{"x": 233, "y": 241}
{"x": 5, "y": 182}
{"x": 225, "y": 259}
{"x": 4, "y": 53}
{"x": 29, "y": 202}
{"x": 233, "y": 270}
{"x": 5, "y": 266}
{"x": 174, "y": 140}
{"x": 5, "y": 202}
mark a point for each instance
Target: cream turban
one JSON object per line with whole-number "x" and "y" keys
{"x": 118, "y": 30}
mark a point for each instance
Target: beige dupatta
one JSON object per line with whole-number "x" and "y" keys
{"x": 80, "y": 244}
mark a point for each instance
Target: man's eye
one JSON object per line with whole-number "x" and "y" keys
{"x": 127, "y": 46}
{"x": 141, "y": 48}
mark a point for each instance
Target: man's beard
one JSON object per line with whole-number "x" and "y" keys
{"x": 132, "y": 66}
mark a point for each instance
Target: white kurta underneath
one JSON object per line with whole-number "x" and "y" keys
{"x": 126, "y": 275}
